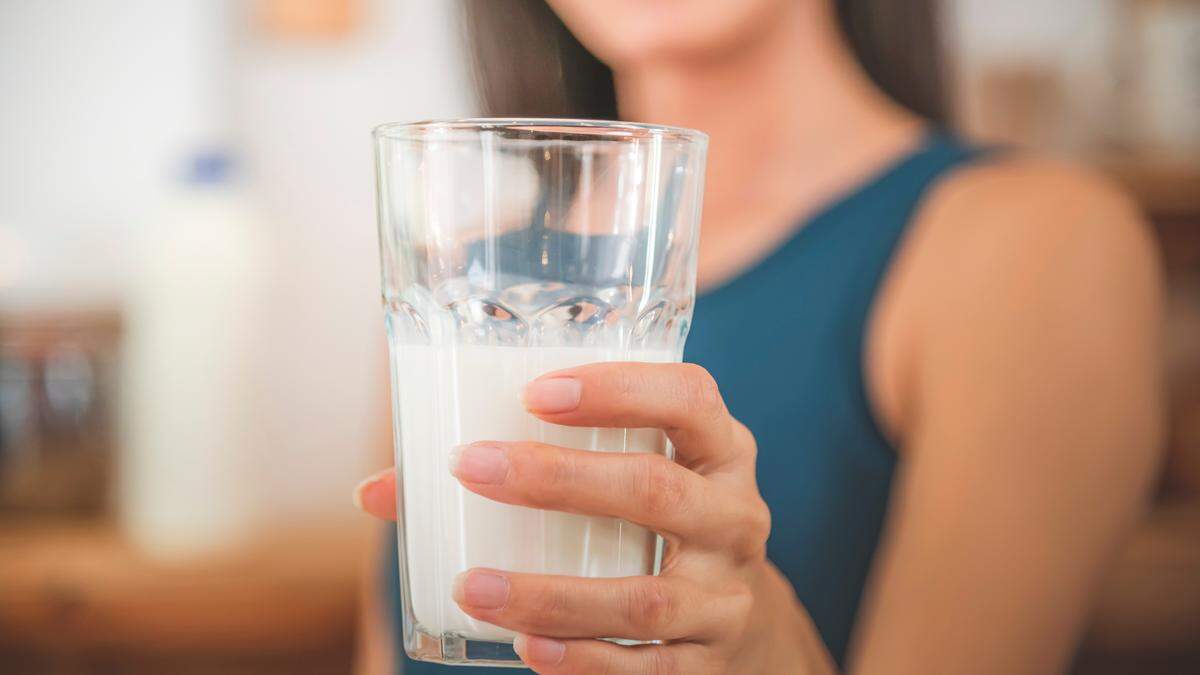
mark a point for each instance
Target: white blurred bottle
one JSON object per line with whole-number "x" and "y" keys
{"x": 187, "y": 479}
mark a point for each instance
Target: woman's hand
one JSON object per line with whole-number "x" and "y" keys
{"x": 718, "y": 606}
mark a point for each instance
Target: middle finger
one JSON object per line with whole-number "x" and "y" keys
{"x": 649, "y": 490}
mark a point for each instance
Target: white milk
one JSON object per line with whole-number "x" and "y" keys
{"x": 449, "y": 396}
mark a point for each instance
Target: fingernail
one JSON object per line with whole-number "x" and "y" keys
{"x": 484, "y": 590}
{"x": 553, "y": 395}
{"x": 366, "y": 490}
{"x": 540, "y": 650}
{"x": 479, "y": 463}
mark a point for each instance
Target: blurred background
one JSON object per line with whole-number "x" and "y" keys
{"x": 191, "y": 346}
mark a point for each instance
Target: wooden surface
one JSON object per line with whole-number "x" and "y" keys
{"x": 1151, "y": 600}
{"x": 1166, "y": 189}
{"x": 78, "y": 598}
{"x": 1147, "y": 616}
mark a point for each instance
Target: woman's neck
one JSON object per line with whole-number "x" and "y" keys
{"x": 792, "y": 123}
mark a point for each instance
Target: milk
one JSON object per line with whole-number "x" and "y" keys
{"x": 452, "y": 395}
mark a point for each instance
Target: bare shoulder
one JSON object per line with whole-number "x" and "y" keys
{"x": 1026, "y": 210}
{"x": 1018, "y": 273}
{"x": 1035, "y": 232}
{"x": 1027, "y": 180}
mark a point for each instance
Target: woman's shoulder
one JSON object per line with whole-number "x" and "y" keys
{"x": 1017, "y": 254}
{"x": 1009, "y": 220}
{"x": 1029, "y": 206}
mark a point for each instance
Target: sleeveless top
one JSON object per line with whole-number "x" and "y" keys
{"x": 785, "y": 342}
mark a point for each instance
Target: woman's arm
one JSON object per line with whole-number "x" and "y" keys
{"x": 1033, "y": 430}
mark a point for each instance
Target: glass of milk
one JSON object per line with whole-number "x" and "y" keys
{"x": 511, "y": 248}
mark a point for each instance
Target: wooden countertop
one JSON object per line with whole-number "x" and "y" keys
{"x": 288, "y": 604}
{"x": 1165, "y": 189}
{"x": 78, "y": 589}
{"x": 1151, "y": 599}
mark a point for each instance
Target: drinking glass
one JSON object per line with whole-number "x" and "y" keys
{"x": 511, "y": 248}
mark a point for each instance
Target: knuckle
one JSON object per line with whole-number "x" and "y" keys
{"x": 754, "y": 530}
{"x": 760, "y": 520}
{"x": 610, "y": 663}
{"x": 699, "y": 391}
{"x": 549, "y": 476}
{"x": 649, "y": 607}
{"x": 744, "y": 439}
{"x": 663, "y": 490}
{"x": 741, "y": 609}
{"x": 662, "y": 661}
{"x": 549, "y": 606}
{"x": 562, "y": 470}
{"x": 626, "y": 380}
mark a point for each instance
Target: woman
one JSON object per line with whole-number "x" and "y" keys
{"x": 928, "y": 372}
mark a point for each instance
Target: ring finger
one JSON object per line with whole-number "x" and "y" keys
{"x": 636, "y": 608}
{"x": 554, "y": 657}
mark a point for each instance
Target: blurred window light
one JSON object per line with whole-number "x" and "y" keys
{"x": 14, "y": 258}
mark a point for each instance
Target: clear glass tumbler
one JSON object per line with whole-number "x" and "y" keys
{"x": 511, "y": 248}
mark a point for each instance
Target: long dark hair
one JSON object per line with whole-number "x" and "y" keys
{"x": 527, "y": 63}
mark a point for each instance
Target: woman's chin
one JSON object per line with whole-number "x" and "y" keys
{"x": 628, "y": 34}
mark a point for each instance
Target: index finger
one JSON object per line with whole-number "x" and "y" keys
{"x": 682, "y": 399}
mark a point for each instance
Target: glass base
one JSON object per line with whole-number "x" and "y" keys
{"x": 455, "y": 650}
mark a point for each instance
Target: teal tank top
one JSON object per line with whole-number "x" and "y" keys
{"x": 785, "y": 341}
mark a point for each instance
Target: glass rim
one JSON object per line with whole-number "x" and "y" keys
{"x": 551, "y": 127}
